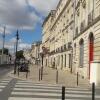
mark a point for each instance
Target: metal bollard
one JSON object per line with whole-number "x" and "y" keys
{"x": 63, "y": 92}
{"x": 39, "y": 74}
{"x": 77, "y": 78}
{"x": 56, "y": 76}
{"x": 93, "y": 91}
{"x": 18, "y": 71}
{"x": 26, "y": 74}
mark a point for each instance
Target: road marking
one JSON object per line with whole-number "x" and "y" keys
{"x": 23, "y": 91}
{"x": 32, "y": 86}
{"x": 4, "y": 82}
{"x": 22, "y": 98}
{"x": 36, "y": 94}
{"x": 2, "y": 86}
{"x": 43, "y": 90}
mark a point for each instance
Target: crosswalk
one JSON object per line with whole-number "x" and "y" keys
{"x": 25, "y": 90}
{"x": 4, "y": 82}
{"x": 29, "y": 91}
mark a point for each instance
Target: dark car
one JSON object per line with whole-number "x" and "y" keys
{"x": 23, "y": 68}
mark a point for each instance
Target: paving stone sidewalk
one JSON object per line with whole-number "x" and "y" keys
{"x": 49, "y": 76}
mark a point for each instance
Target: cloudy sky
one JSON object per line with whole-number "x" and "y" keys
{"x": 26, "y": 16}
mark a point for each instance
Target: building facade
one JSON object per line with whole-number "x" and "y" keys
{"x": 72, "y": 34}
{"x": 86, "y": 41}
{"x": 35, "y": 52}
{"x": 60, "y": 35}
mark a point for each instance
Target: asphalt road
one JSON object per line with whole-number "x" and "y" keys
{"x": 4, "y": 70}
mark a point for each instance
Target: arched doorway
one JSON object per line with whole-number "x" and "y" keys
{"x": 91, "y": 49}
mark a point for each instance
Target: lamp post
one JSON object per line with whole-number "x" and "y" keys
{"x": 42, "y": 56}
{"x": 17, "y": 38}
{"x": 3, "y": 45}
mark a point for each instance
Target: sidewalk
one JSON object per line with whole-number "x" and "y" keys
{"x": 49, "y": 77}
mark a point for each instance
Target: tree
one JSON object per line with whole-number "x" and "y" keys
{"x": 19, "y": 54}
{"x": 6, "y": 51}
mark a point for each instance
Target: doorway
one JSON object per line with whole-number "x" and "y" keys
{"x": 91, "y": 50}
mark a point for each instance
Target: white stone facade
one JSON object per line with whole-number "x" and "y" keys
{"x": 72, "y": 34}
{"x": 35, "y": 52}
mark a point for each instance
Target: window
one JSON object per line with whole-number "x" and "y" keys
{"x": 75, "y": 51}
{"x": 78, "y": 12}
{"x": 71, "y": 15}
{"x": 68, "y": 11}
{"x": 81, "y": 43}
{"x": 72, "y": 4}
{"x": 65, "y": 60}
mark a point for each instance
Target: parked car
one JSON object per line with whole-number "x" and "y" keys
{"x": 23, "y": 68}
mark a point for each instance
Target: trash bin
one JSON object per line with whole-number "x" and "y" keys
{"x": 95, "y": 72}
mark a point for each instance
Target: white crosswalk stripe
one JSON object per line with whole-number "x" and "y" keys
{"x": 29, "y": 91}
{"x": 4, "y": 82}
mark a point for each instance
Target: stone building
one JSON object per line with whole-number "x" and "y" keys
{"x": 72, "y": 34}
{"x": 58, "y": 30}
{"x": 35, "y": 52}
{"x": 86, "y": 41}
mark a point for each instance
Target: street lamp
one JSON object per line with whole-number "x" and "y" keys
{"x": 3, "y": 45}
{"x": 42, "y": 54}
{"x": 17, "y": 38}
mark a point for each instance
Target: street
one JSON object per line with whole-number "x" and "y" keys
{"x": 4, "y": 70}
{"x": 13, "y": 87}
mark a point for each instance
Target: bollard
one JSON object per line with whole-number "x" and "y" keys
{"x": 63, "y": 92}
{"x": 39, "y": 74}
{"x": 26, "y": 74}
{"x": 56, "y": 76}
{"x": 18, "y": 72}
{"x": 93, "y": 91}
{"x": 77, "y": 78}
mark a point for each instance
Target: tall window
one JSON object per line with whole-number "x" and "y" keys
{"x": 74, "y": 51}
{"x": 81, "y": 53}
{"x": 65, "y": 60}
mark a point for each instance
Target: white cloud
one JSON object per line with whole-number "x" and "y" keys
{"x": 17, "y": 13}
{"x": 7, "y": 30}
{"x": 24, "y": 46}
{"x": 43, "y": 6}
{"x": 23, "y": 14}
{"x": 11, "y": 45}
